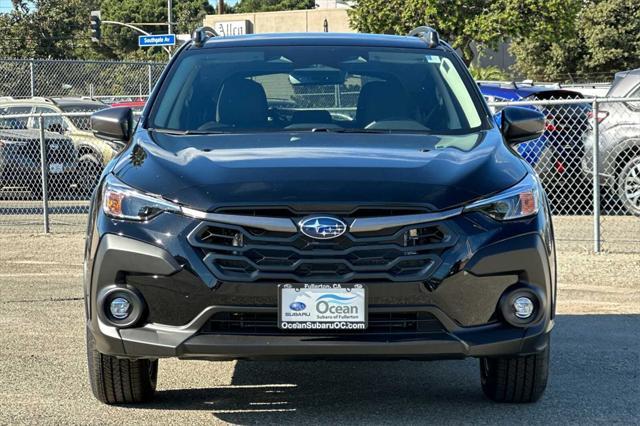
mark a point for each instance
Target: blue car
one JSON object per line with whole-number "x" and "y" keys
{"x": 557, "y": 154}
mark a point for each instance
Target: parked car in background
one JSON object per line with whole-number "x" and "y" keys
{"x": 93, "y": 153}
{"x": 20, "y": 165}
{"x": 619, "y": 142}
{"x": 136, "y": 106}
{"x": 557, "y": 154}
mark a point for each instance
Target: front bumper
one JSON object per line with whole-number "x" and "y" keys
{"x": 182, "y": 295}
{"x": 157, "y": 341}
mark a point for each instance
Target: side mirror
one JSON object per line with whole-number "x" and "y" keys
{"x": 113, "y": 124}
{"x": 521, "y": 124}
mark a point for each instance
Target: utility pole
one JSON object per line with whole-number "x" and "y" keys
{"x": 169, "y": 19}
{"x": 220, "y": 7}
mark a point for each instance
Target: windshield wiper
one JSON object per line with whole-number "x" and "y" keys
{"x": 341, "y": 130}
{"x": 187, "y": 132}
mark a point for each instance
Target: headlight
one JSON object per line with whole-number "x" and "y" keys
{"x": 517, "y": 202}
{"x": 123, "y": 202}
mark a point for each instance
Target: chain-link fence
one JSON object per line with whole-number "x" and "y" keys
{"x": 65, "y": 78}
{"x": 580, "y": 133}
{"x": 48, "y": 170}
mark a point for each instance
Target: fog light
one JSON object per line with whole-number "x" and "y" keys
{"x": 120, "y": 308}
{"x": 523, "y": 307}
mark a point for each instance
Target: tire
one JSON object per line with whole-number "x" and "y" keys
{"x": 88, "y": 174}
{"x": 120, "y": 381}
{"x": 515, "y": 379}
{"x": 629, "y": 186}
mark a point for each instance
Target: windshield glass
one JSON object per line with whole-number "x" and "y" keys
{"x": 328, "y": 88}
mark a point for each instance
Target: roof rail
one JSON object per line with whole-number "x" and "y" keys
{"x": 428, "y": 34}
{"x": 201, "y": 34}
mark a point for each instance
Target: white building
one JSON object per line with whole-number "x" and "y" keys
{"x": 333, "y": 4}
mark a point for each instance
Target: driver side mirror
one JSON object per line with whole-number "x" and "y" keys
{"x": 113, "y": 124}
{"x": 521, "y": 124}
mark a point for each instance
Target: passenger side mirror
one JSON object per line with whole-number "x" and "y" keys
{"x": 521, "y": 124}
{"x": 113, "y": 124}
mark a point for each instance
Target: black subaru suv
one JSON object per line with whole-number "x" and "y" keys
{"x": 318, "y": 196}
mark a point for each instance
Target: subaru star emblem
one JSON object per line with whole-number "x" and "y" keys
{"x": 322, "y": 228}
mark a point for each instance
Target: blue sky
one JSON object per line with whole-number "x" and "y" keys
{"x": 215, "y": 3}
{"x": 5, "y": 5}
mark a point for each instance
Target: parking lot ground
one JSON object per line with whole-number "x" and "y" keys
{"x": 595, "y": 371}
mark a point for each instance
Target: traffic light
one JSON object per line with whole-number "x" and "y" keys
{"x": 96, "y": 32}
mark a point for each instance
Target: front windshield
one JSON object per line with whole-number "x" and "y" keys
{"x": 319, "y": 88}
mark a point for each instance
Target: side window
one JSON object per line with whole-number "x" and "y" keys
{"x": 51, "y": 124}
{"x": 14, "y": 123}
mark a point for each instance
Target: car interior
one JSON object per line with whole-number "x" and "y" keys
{"x": 318, "y": 96}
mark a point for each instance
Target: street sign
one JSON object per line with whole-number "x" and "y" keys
{"x": 157, "y": 40}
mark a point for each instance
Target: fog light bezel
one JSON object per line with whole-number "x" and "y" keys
{"x": 507, "y": 309}
{"x": 110, "y": 293}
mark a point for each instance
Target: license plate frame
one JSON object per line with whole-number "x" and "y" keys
{"x": 337, "y": 307}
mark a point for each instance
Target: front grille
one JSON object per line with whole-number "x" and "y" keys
{"x": 241, "y": 254}
{"x": 382, "y": 323}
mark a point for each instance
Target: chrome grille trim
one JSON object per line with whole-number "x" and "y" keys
{"x": 373, "y": 224}
{"x": 274, "y": 224}
{"x": 286, "y": 225}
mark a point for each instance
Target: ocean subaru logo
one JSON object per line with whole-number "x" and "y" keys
{"x": 297, "y": 306}
{"x": 322, "y": 228}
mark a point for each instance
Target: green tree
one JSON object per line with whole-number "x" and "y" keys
{"x": 464, "y": 23}
{"x": 487, "y": 73}
{"x": 60, "y": 28}
{"x": 121, "y": 42}
{"x": 44, "y": 28}
{"x": 248, "y": 6}
{"x": 590, "y": 37}
{"x": 610, "y": 31}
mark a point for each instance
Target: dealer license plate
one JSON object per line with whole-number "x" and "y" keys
{"x": 322, "y": 307}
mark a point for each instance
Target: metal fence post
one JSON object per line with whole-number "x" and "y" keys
{"x": 150, "y": 77}
{"x": 44, "y": 167}
{"x": 33, "y": 78}
{"x": 596, "y": 179}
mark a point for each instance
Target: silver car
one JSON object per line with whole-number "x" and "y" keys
{"x": 619, "y": 143}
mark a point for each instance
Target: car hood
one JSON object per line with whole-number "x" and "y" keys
{"x": 318, "y": 171}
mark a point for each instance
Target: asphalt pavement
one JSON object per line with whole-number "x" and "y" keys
{"x": 595, "y": 361}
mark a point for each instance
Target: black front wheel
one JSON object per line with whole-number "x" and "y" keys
{"x": 89, "y": 171}
{"x": 518, "y": 379}
{"x": 120, "y": 381}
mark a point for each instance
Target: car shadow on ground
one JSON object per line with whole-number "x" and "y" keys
{"x": 595, "y": 377}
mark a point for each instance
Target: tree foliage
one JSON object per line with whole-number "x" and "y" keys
{"x": 122, "y": 42}
{"x": 596, "y": 38}
{"x": 464, "y": 23}
{"x": 248, "y": 6}
{"x": 44, "y": 28}
{"x": 60, "y": 28}
{"x": 487, "y": 73}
